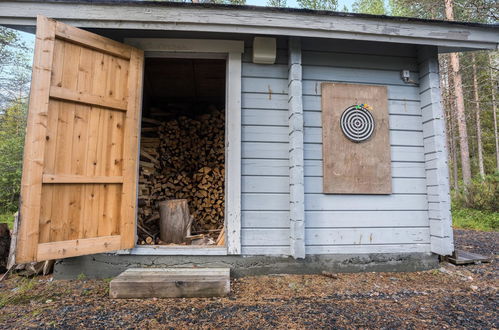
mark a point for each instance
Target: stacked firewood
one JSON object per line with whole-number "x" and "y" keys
{"x": 182, "y": 157}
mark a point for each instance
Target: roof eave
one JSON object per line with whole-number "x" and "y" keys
{"x": 147, "y": 16}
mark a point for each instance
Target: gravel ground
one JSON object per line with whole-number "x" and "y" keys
{"x": 450, "y": 297}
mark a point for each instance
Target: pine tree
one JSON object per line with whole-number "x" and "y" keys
{"x": 375, "y": 7}
{"x": 460, "y": 110}
{"x": 276, "y": 3}
{"x": 478, "y": 119}
{"x": 319, "y": 4}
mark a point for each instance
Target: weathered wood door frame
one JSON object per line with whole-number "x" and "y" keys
{"x": 231, "y": 51}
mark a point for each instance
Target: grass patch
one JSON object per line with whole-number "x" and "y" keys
{"x": 475, "y": 219}
{"x": 22, "y": 294}
{"x": 8, "y": 218}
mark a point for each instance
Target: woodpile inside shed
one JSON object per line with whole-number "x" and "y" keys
{"x": 182, "y": 157}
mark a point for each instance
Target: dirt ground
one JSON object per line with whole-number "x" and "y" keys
{"x": 449, "y": 297}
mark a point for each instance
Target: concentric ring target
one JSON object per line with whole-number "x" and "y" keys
{"x": 357, "y": 123}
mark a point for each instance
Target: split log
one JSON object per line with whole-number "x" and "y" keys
{"x": 221, "y": 238}
{"x": 175, "y": 221}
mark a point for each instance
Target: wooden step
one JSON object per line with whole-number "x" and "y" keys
{"x": 171, "y": 283}
{"x": 461, "y": 257}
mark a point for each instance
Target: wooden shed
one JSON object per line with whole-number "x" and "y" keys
{"x": 302, "y": 139}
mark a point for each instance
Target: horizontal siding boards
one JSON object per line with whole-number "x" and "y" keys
{"x": 313, "y": 168}
{"x": 264, "y": 150}
{"x": 366, "y": 219}
{"x": 266, "y": 85}
{"x": 400, "y": 221}
{"x": 364, "y": 236}
{"x": 361, "y": 61}
{"x": 395, "y": 92}
{"x": 400, "y": 108}
{"x": 316, "y": 202}
{"x": 353, "y": 75}
{"x": 265, "y": 236}
{"x": 344, "y": 223}
{"x": 265, "y": 167}
{"x": 264, "y": 101}
{"x": 313, "y": 185}
{"x": 264, "y": 133}
{"x": 264, "y": 202}
{"x": 266, "y": 250}
{"x": 265, "y": 157}
{"x": 265, "y": 71}
{"x": 313, "y": 151}
{"x": 368, "y": 249}
{"x": 265, "y": 219}
{"x": 397, "y": 137}
{"x": 264, "y": 117}
{"x": 313, "y": 78}
{"x": 399, "y": 122}
{"x": 338, "y": 219}
{"x": 359, "y": 47}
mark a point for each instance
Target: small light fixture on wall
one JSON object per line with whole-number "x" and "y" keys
{"x": 264, "y": 50}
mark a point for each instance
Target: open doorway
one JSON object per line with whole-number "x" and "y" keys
{"x": 181, "y": 195}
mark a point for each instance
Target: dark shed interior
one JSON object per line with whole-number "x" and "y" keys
{"x": 182, "y": 153}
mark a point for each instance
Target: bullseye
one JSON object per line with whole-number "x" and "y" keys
{"x": 357, "y": 123}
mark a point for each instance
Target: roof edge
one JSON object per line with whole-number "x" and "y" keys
{"x": 268, "y": 9}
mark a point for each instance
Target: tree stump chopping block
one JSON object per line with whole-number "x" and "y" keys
{"x": 175, "y": 221}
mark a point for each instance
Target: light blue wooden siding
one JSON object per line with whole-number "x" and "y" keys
{"x": 365, "y": 223}
{"x": 265, "y": 163}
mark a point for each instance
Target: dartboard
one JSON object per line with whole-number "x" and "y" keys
{"x": 357, "y": 123}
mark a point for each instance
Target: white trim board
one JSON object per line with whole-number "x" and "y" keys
{"x": 187, "y": 45}
{"x": 142, "y": 16}
{"x": 231, "y": 51}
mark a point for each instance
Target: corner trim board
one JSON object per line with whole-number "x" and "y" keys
{"x": 296, "y": 157}
{"x": 437, "y": 173}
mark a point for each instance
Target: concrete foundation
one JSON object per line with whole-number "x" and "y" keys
{"x": 100, "y": 266}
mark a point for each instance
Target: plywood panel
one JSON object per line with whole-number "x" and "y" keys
{"x": 355, "y": 168}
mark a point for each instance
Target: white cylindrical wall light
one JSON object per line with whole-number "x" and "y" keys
{"x": 264, "y": 50}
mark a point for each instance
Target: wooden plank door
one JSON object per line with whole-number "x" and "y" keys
{"x": 78, "y": 190}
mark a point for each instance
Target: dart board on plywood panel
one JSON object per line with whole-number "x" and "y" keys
{"x": 355, "y": 139}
